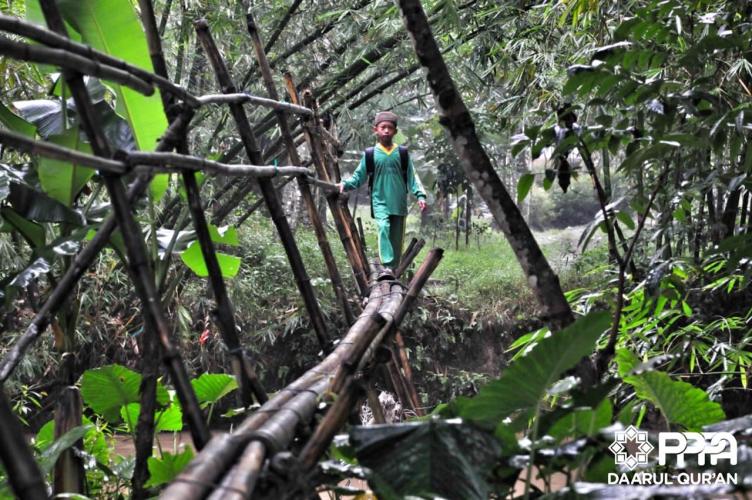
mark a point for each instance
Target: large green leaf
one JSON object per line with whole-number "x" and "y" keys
{"x": 32, "y": 232}
{"x": 60, "y": 179}
{"x": 112, "y": 26}
{"x": 435, "y": 458}
{"x": 523, "y": 385}
{"x": 168, "y": 420}
{"x": 523, "y": 186}
{"x": 95, "y": 442}
{"x": 229, "y": 265}
{"x": 52, "y": 453}
{"x": 680, "y": 403}
{"x": 16, "y": 123}
{"x": 211, "y": 387}
{"x": 38, "y": 206}
{"x": 165, "y": 469}
{"x": 105, "y": 390}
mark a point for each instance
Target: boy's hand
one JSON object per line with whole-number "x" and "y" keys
{"x": 422, "y": 204}
{"x": 341, "y": 187}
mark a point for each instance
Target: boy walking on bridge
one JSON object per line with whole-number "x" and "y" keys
{"x": 390, "y": 174}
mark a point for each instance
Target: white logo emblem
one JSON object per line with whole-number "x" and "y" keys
{"x": 631, "y": 455}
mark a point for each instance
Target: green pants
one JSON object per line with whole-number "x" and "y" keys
{"x": 391, "y": 235}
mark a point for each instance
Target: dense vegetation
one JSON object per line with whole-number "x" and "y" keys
{"x": 629, "y": 120}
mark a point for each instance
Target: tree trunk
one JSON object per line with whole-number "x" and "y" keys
{"x": 455, "y": 117}
{"x": 468, "y": 212}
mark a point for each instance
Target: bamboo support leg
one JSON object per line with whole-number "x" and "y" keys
{"x": 407, "y": 373}
{"x": 245, "y": 131}
{"x": 21, "y": 469}
{"x": 248, "y": 382}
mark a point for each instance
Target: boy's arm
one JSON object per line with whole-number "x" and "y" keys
{"x": 358, "y": 177}
{"x": 413, "y": 182}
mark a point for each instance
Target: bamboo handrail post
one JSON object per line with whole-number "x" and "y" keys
{"x": 354, "y": 256}
{"x": 334, "y": 174}
{"x": 267, "y": 188}
{"x": 85, "y": 258}
{"x": 397, "y": 379}
{"x": 305, "y": 190}
{"x": 21, "y": 469}
{"x": 248, "y": 382}
{"x": 408, "y": 257}
{"x": 362, "y": 234}
{"x": 137, "y": 258}
{"x": 374, "y": 403}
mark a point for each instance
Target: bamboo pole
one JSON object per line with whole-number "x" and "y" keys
{"x": 357, "y": 264}
{"x": 243, "y": 97}
{"x": 139, "y": 160}
{"x": 69, "y": 469}
{"x": 239, "y": 485}
{"x": 375, "y": 404}
{"x": 282, "y": 24}
{"x": 150, "y": 348}
{"x": 25, "y": 144}
{"x": 346, "y": 394}
{"x": 145, "y": 426}
{"x": 71, "y": 61}
{"x": 30, "y": 30}
{"x": 267, "y": 188}
{"x": 141, "y": 273}
{"x": 408, "y": 257}
{"x": 163, "y": 161}
{"x": 407, "y": 373}
{"x": 84, "y": 259}
{"x": 274, "y": 436}
{"x": 21, "y": 469}
{"x": 456, "y": 118}
{"x": 245, "y": 375}
{"x": 305, "y": 190}
{"x": 332, "y": 168}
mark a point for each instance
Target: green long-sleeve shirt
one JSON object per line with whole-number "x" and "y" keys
{"x": 389, "y": 195}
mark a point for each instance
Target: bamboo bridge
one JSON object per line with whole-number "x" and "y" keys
{"x": 303, "y": 416}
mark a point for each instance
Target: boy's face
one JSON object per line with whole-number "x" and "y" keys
{"x": 385, "y": 131}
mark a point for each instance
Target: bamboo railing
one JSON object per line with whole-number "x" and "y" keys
{"x": 227, "y": 465}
